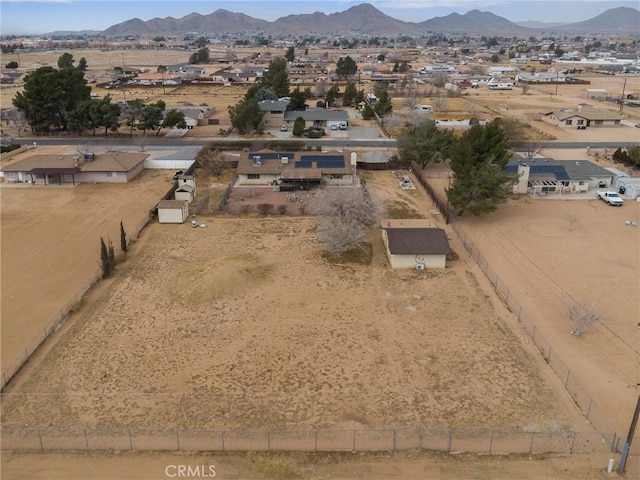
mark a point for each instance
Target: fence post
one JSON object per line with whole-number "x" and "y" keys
{"x": 354, "y": 440}
{"x": 566, "y": 382}
{"x": 222, "y": 436}
{"x": 573, "y": 441}
{"x": 589, "y": 409}
{"x": 549, "y": 356}
{"x": 533, "y": 334}
{"x": 421, "y": 436}
{"x": 268, "y": 440}
{"x": 130, "y": 440}
{"x": 531, "y": 444}
{"x": 491, "y": 442}
{"x": 86, "y": 438}
{"x": 315, "y": 440}
{"x": 178, "y": 439}
{"x": 614, "y": 443}
{"x": 40, "y": 439}
{"x": 450, "y": 440}
{"x": 395, "y": 439}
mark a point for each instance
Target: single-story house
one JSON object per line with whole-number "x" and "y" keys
{"x": 543, "y": 176}
{"x": 294, "y": 171}
{"x": 317, "y": 116}
{"x": 112, "y": 167}
{"x": 418, "y": 248}
{"x": 582, "y": 118}
{"x": 173, "y": 211}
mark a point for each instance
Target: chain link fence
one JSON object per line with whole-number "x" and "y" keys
{"x": 582, "y": 399}
{"x": 370, "y": 440}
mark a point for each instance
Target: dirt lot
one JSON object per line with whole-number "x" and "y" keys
{"x": 545, "y": 263}
{"x": 246, "y": 312}
{"x": 348, "y": 466}
{"x": 51, "y": 245}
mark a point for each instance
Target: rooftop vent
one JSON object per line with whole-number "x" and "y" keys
{"x": 256, "y": 161}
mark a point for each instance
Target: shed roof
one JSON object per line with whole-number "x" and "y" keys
{"x": 171, "y": 204}
{"x": 417, "y": 241}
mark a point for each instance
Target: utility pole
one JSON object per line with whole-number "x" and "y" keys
{"x": 627, "y": 444}
{"x": 624, "y": 87}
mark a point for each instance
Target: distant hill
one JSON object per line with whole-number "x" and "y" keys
{"x": 539, "y": 25}
{"x": 473, "y": 21}
{"x": 622, "y": 20}
{"x": 365, "y": 18}
{"x": 216, "y": 22}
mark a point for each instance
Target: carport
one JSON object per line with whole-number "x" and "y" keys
{"x": 59, "y": 174}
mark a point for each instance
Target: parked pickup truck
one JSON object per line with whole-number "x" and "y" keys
{"x": 612, "y": 198}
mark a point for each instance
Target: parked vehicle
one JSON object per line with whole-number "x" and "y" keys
{"x": 612, "y": 198}
{"x": 423, "y": 108}
{"x": 283, "y": 127}
{"x": 343, "y": 125}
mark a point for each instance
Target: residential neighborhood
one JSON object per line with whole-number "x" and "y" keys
{"x": 336, "y": 244}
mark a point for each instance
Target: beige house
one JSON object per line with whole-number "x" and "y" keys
{"x": 582, "y": 118}
{"x": 294, "y": 170}
{"x": 112, "y": 167}
{"x": 416, "y": 248}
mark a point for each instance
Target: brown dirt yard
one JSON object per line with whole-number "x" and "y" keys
{"x": 244, "y": 324}
{"x": 51, "y": 244}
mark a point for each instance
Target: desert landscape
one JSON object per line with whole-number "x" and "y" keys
{"x": 183, "y": 340}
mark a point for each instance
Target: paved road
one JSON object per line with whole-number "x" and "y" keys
{"x": 351, "y": 142}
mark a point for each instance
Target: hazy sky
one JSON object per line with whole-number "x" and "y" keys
{"x": 26, "y": 16}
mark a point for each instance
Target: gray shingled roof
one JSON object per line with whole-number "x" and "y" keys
{"x": 416, "y": 241}
{"x": 312, "y": 114}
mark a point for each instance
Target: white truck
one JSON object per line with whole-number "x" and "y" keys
{"x": 612, "y": 198}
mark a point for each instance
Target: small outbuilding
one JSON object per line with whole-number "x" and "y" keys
{"x": 185, "y": 192}
{"x": 173, "y": 211}
{"x": 417, "y": 248}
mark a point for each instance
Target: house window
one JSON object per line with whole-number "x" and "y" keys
{"x": 549, "y": 189}
{"x": 335, "y": 176}
{"x": 599, "y": 122}
{"x": 580, "y": 182}
{"x": 616, "y": 122}
{"x": 112, "y": 174}
{"x": 253, "y": 176}
{"x": 580, "y": 122}
{"x": 568, "y": 122}
{"x": 565, "y": 183}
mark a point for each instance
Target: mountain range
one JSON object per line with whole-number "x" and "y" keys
{"x": 366, "y": 19}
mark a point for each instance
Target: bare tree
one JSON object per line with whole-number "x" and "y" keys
{"x": 214, "y": 162}
{"x": 345, "y": 215}
{"x": 525, "y": 87}
{"x": 582, "y": 318}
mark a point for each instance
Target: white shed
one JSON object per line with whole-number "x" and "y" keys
{"x": 173, "y": 211}
{"x": 185, "y": 192}
{"x": 417, "y": 248}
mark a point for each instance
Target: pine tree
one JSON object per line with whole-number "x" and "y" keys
{"x": 104, "y": 259}
{"x": 123, "y": 239}
{"x": 112, "y": 258}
